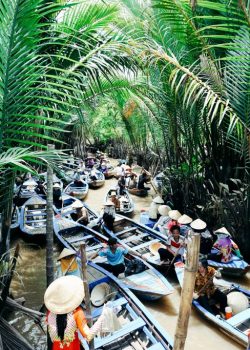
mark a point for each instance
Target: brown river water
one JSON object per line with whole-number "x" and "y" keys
{"x": 29, "y": 282}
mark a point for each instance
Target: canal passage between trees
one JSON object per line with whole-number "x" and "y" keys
{"x": 31, "y": 271}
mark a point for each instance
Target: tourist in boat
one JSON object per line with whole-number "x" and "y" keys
{"x": 207, "y": 241}
{"x": 175, "y": 247}
{"x": 174, "y": 216}
{"x": 69, "y": 264}
{"x": 108, "y": 216}
{"x": 65, "y": 318}
{"x": 144, "y": 178}
{"x": 57, "y": 196}
{"x": 205, "y": 290}
{"x": 89, "y": 162}
{"x": 161, "y": 224}
{"x": 226, "y": 246}
{"x": 184, "y": 221}
{"x": 115, "y": 255}
{"x": 121, "y": 185}
{"x": 82, "y": 215}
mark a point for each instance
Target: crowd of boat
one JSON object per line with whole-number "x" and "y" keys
{"x": 146, "y": 276}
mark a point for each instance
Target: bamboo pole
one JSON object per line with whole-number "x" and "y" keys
{"x": 86, "y": 289}
{"x": 191, "y": 268}
{"x": 49, "y": 224}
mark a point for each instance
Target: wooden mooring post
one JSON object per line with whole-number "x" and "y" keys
{"x": 191, "y": 268}
{"x": 86, "y": 290}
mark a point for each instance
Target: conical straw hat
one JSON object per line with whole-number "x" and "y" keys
{"x": 174, "y": 214}
{"x": 154, "y": 247}
{"x": 198, "y": 224}
{"x": 223, "y": 231}
{"x": 164, "y": 210}
{"x": 66, "y": 252}
{"x": 185, "y": 220}
{"x": 158, "y": 200}
{"x": 99, "y": 294}
{"x": 64, "y": 295}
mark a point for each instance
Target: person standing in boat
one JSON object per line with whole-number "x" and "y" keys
{"x": 175, "y": 247}
{"x": 65, "y": 318}
{"x": 143, "y": 179}
{"x": 69, "y": 264}
{"x": 121, "y": 185}
{"x": 205, "y": 290}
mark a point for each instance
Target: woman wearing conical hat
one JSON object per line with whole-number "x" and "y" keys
{"x": 161, "y": 224}
{"x": 65, "y": 316}
{"x": 69, "y": 264}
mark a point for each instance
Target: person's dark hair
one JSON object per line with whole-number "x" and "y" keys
{"x": 112, "y": 241}
{"x": 204, "y": 263}
{"x": 61, "y": 324}
{"x": 175, "y": 227}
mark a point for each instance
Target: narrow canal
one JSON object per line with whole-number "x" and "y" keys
{"x": 30, "y": 283}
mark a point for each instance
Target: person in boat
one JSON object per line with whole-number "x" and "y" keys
{"x": 93, "y": 175}
{"x": 174, "y": 215}
{"x": 82, "y": 214}
{"x": 206, "y": 241}
{"x": 65, "y": 318}
{"x": 108, "y": 216}
{"x": 114, "y": 199}
{"x": 161, "y": 224}
{"x": 57, "y": 195}
{"x": 143, "y": 179}
{"x": 175, "y": 247}
{"x": 184, "y": 221}
{"x": 225, "y": 245}
{"x": 205, "y": 290}
{"x": 81, "y": 168}
{"x": 132, "y": 181}
{"x": 121, "y": 185}
{"x": 115, "y": 255}
{"x": 69, "y": 264}
{"x": 89, "y": 162}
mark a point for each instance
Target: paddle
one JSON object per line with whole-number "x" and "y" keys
{"x": 172, "y": 261}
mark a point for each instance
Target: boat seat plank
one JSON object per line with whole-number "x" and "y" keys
{"x": 34, "y": 221}
{"x": 128, "y": 328}
{"x": 146, "y": 244}
{"x": 82, "y": 238}
{"x": 157, "y": 346}
{"x": 118, "y": 302}
{"x": 36, "y": 210}
{"x": 38, "y": 214}
{"x": 134, "y": 238}
{"x": 131, "y": 229}
{"x": 95, "y": 247}
{"x": 239, "y": 318}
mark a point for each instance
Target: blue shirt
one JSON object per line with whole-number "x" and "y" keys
{"x": 114, "y": 258}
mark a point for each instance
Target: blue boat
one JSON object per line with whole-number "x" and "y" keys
{"x": 148, "y": 284}
{"x": 235, "y": 327}
{"x": 235, "y": 267}
{"x": 139, "y": 329}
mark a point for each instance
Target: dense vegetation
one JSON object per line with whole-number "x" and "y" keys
{"x": 166, "y": 80}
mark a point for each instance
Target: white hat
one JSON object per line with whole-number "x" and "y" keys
{"x": 108, "y": 203}
{"x": 99, "y": 294}
{"x": 164, "y": 210}
{"x": 64, "y": 294}
{"x": 223, "y": 231}
{"x": 154, "y": 247}
{"x": 66, "y": 252}
{"x": 158, "y": 200}
{"x": 198, "y": 224}
{"x": 185, "y": 220}
{"x": 174, "y": 214}
{"x": 77, "y": 204}
{"x": 56, "y": 185}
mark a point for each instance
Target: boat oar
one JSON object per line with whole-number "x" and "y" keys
{"x": 172, "y": 261}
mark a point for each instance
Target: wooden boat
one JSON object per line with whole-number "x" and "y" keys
{"x": 139, "y": 330}
{"x": 236, "y": 267}
{"x": 148, "y": 284}
{"x": 137, "y": 192}
{"x": 236, "y": 326}
{"x": 139, "y": 238}
{"x": 15, "y": 221}
{"x": 79, "y": 190}
{"x": 27, "y": 189}
{"x": 95, "y": 178}
{"x": 126, "y": 206}
{"x": 33, "y": 217}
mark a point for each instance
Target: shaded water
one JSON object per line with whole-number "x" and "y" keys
{"x": 31, "y": 267}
